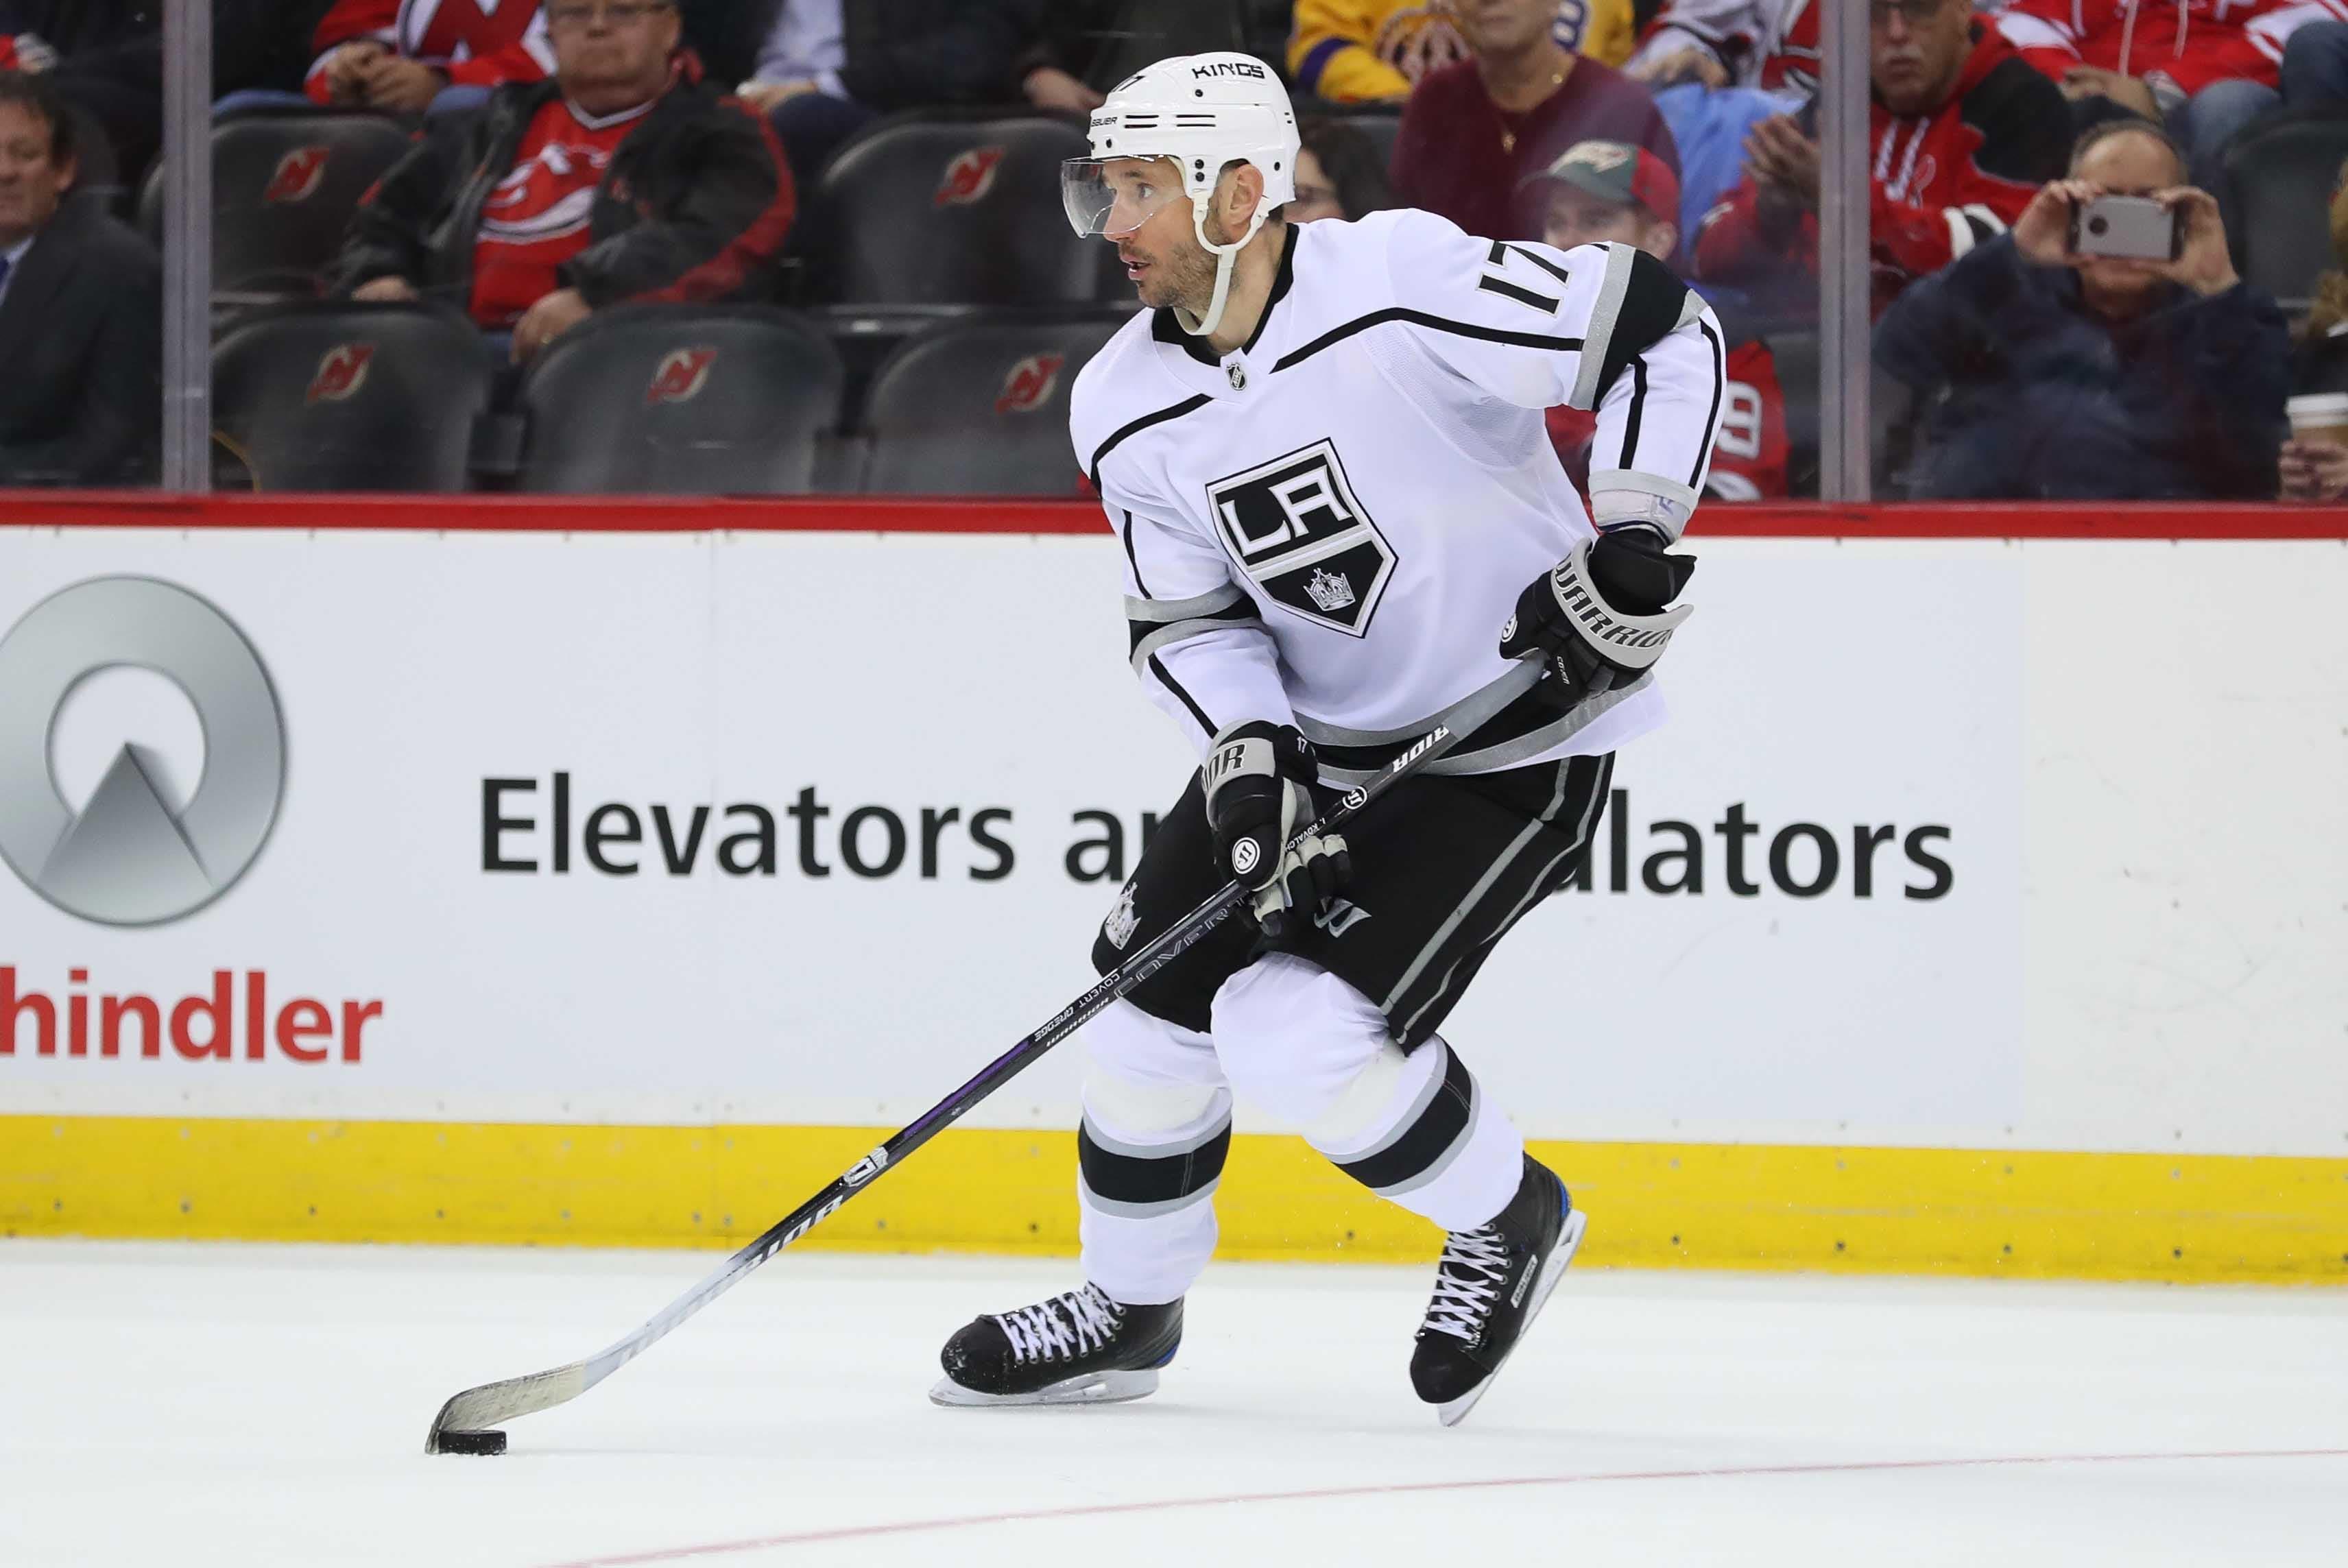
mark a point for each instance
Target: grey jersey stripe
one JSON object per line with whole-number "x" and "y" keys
{"x": 1164, "y": 610}
{"x": 1603, "y": 313}
{"x": 1188, "y": 1144}
{"x": 1126, "y": 1211}
{"x": 1148, "y": 648}
{"x": 1442, "y": 1162}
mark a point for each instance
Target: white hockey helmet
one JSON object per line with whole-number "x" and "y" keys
{"x": 1203, "y": 112}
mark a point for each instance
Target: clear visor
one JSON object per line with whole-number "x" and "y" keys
{"x": 1117, "y": 195}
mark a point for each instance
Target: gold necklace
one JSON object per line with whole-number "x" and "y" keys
{"x": 1508, "y": 136}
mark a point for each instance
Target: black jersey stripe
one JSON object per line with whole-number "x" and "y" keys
{"x": 1158, "y": 668}
{"x": 1420, "y": 318}
{"x": 1719, "y": 384}
{"x": 1188, "y": 405}
{"x": 1426, "y": 1141}
{"x": 1638, "y": 408}
{"x": 1126, "y": 535}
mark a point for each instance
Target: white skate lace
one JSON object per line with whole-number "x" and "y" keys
{"x": 1065, "y": 1325}
{"x": 1466, "y": 1281}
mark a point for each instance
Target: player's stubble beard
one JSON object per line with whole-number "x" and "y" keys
{"x": 1184, "y": 275}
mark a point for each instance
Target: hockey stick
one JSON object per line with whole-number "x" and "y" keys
{"x": 464, "y": 1422}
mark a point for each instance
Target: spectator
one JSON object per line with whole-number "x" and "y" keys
{"x": 1962, "y": 131}
{"x": 106, "y": 60}
{"x": 1772, "y": 45}
{"x": 402, "y": 59}
{"x": 1602, "y": 191}
{"x": 2316, "y": 469}
{"x": 627, "y": 179}
{"x": 1472, "y": 131}
{"x": 2080, "y": 376}
{"x": 829, "y": 66}
{"x": 1376, "y": 51}
{"x": 81, "y": 310}
{"x": 1338, "y": 172}
{"x": 2204, "y": 68}
{"x": 1717, "y": 69}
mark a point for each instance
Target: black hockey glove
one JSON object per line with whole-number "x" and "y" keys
{"x": 1258, "y": 776}
{"x": 1600, "y": 609}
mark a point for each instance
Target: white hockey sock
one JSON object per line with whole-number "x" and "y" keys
{"x": 1416, "y": 1129}
{"x": 1157, "y": 1125}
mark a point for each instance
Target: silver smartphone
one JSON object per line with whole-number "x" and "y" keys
{"x": 2131, "y": 226}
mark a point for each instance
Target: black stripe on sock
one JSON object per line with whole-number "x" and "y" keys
{"x": 1426, "y": 1140}
{"x": 1129, "y": 1179}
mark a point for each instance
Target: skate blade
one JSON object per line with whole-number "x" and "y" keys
{"x": 1455, "y": 1411}
{"x": 1091, "y": 1388}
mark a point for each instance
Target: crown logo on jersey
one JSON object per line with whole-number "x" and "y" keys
{"x": 1332, "y": 592}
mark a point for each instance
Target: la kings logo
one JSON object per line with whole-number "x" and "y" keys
{"x": 1297, "y": 529}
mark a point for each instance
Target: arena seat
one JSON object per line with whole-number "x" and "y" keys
{"x": 982, "y": 408}
{"x": 1381, "y": 128}
{"x": 2279, "y": 174}
{"x": 350, "y": 397}
{"x": 1891, "y": 413}
{"x": 938, "y": 212}
{"x": 283, "y": 189}
{"x": 682, "y": 400}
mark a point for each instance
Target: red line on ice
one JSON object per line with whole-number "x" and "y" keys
{"x": 1323, "y": 1494}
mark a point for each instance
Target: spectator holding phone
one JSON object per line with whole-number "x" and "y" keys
{"x": 2078, "y": 366}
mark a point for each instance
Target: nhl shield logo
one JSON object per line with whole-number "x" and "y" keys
{"x": 968, "y": 178}
{"x": 680, "y": 376}
{"x": 1029, "y": 386}
{"x": 1303, "y": 536}
{"x": 341, "y": 373}
{"x": 297, "y": 176}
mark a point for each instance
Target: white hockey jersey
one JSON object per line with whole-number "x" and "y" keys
{"x": 1328, "y": 526}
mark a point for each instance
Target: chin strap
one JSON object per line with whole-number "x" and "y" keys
{"x": 1225, "y": 255}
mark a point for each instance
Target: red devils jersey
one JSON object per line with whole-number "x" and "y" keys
{"x": 2185, "y": 43}
{"x": 478, "y": 43}
{"x": 1942, "y": 182}
{"x": 1749, "y": 458}
{"x": 537, "y": 218}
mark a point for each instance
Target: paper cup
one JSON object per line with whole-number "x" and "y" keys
{"x": 2320, "y": 417}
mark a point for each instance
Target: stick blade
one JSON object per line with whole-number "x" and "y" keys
{"x": 476, "y": 1410}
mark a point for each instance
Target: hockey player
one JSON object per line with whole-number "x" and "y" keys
{"x": 1324, "y": 455}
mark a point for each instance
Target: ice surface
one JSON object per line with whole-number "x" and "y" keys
{"x": 193, "y": 1405}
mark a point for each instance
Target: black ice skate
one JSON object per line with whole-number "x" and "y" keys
{"x": 1488, "y": 1286}
{"x": 1077, "y": 1349}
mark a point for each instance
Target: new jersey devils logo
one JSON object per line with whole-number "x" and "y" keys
{"x": 680, "y": 376}
{"x": 341, "y": 373}
{"x": 1029, "y": 386}
{"x": 298, "y": 175}
{"x": 969, "y": 177}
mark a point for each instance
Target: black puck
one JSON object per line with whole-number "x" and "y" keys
{"x": 469, "y": 1442}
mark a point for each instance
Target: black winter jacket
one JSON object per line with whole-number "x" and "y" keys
{"x": 2049, "y": 400}
{"x": 694, "y": 206}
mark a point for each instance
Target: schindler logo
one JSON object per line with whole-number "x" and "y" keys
{"x": 134, "y": 856}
